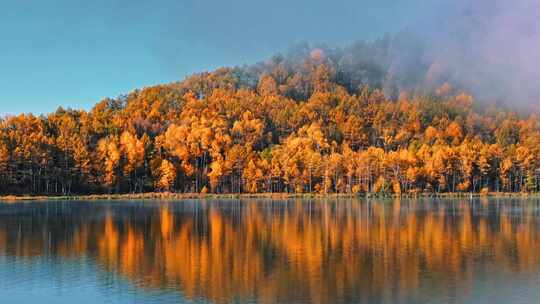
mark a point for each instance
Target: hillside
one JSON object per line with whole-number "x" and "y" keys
{"x": 315, "y": 120}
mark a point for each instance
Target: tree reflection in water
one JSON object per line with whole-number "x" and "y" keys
{"x": 317, "y": 251}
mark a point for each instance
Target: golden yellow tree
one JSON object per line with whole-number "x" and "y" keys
{"x": 133, "y": 152}
{"x": 109, "y": 159}
{"x": 167, "y": 176}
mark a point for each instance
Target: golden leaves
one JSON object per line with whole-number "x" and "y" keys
{"x": 167, "y": 176}
{"x": 109, "y": 156}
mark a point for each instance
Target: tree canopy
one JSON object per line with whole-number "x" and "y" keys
{"x": 316, "y": 120}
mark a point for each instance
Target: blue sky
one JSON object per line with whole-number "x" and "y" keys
{"x": 73, "y": 53}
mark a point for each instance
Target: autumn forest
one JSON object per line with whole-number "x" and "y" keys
{"x": 318, "y": 120}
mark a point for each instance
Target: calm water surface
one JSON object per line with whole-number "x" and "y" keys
{"x": 403, "y": 251}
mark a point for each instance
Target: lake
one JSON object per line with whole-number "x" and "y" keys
{"x": 263, "y": 251}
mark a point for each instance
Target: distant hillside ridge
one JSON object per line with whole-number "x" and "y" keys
{"x": 316, "y": 120}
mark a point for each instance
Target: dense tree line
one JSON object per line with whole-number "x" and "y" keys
{"x": 319, "y": 120}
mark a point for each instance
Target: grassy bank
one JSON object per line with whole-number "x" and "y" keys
{"x": 183, "y": 196}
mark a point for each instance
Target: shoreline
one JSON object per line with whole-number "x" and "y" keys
{"x": 185, "y": 196}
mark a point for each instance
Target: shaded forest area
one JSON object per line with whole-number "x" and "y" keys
{"x": 348, "y": 120}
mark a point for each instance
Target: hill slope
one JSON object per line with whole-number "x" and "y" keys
{"x": 316, "y": 120}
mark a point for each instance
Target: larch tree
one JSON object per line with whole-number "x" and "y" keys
{"x": 167, "y": 176}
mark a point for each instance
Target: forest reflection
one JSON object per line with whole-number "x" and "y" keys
{"x": 317, "y": 251}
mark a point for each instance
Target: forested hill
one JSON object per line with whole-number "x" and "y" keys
{"x": 316, "y": 120}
